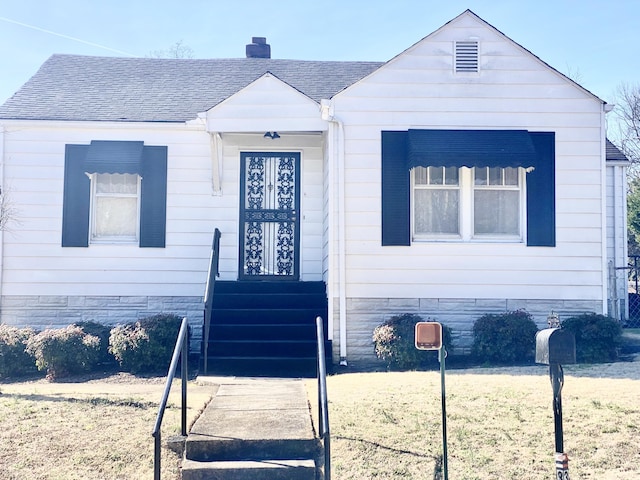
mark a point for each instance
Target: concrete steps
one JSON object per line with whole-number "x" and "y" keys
{"x": 253, "y": 429}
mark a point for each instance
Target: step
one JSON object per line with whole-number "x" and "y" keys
{"x": 282, "y": 367}
{"x": 249, "y": 470}
{"x": 265, "y": 419}
{"x": 250, "y": 331}
{"x": 267, "y": 316}
{"x": 263, "y": 348}
{"x": 269, "y": 287}
{"x": 269, "y": 300}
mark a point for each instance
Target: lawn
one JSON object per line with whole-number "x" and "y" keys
{"x": 499, "y": 423}
{"x": 97, "y": 429}
{"x": 384, "y": 425}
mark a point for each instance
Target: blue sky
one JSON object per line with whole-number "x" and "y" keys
{"x": 590, "y": 40}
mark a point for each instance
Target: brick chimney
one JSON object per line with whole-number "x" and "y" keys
{"x": 258, "y": 48}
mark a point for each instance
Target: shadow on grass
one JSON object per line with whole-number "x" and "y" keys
{"x": 94, "y": 401}
{"x": 383, "y": 447}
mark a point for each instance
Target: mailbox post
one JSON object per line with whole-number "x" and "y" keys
{"x": 554, "y": 347}
{"x": 428, "y": 336}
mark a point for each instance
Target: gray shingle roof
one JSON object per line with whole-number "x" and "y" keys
{"x": 73, "y": 87}
{"x": 613, "y": 153}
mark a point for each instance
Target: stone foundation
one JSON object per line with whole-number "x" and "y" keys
{"x": 41, "y": 312}
{"x": 365, "y": 314}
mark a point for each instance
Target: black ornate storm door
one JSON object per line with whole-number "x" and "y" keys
{"x": 269, "y": 224}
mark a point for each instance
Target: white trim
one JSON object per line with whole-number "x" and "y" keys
{"x": 2, "y": 190}
{"x": 603, "y": 210}
{"x": 216, "y": 162}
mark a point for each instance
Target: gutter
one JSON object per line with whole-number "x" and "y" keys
{"x": 326, "y": 108}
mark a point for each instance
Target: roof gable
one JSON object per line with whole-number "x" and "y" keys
{"x": 267, "y": 104}
{"x": 465, "y": 26}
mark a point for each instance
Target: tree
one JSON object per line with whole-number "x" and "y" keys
{"x": 627, "y": 113}
{"x": 633, "y": 216}
{"x": 177, "y": 50}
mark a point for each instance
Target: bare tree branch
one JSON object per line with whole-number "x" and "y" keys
{"x": 627, "y": 113}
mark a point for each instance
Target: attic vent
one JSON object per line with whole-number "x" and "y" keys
{"x": 466, "y": 56}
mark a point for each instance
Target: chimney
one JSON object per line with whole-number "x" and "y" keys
{"x": 258, "y": 48}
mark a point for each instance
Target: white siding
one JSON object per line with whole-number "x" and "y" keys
{"x": 34, "y": 263}
{"x": 617, "y": 239}
{"x": 513, "y": 90}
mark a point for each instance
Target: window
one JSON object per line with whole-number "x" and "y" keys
{"x": 467, "y": 203}
{"x": 115, "y": 208}
{"x": 496, "y": 202}
{"x": 491, "y": 168}
{"x": 114, "y": 191}
{"x": 436, "y": 201}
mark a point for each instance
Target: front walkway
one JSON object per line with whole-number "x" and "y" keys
{"x": 259, "y": 426}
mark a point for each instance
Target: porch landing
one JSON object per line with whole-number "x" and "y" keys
{"x": 253, "y": 428}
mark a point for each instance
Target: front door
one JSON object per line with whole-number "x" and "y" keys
{"x": 269, "y": 220}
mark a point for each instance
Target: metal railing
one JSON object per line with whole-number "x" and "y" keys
{"x": 323, "y": 403}
{"x": 214, "y": 260}
{"x": 180, "y": 352}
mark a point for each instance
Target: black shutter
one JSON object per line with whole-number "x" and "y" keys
{"x": 76, "y": 198}
{"x": 153, "y": 207}
{"x": 541, "y": 193}
{"x": 396, "y": 210}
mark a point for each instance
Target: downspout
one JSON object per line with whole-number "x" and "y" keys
{"x": 327, "y": 115}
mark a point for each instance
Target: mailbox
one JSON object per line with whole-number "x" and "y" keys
{"x": 555, "y": 346}
{"x": 428, "y": 336}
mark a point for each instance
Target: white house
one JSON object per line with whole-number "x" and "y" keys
{"x": 464, "y": 176}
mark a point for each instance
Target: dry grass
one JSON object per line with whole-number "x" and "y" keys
{"x": 500, "y": 423}
{"x": 97, "y": 429}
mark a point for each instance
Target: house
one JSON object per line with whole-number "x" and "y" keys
{"x": 464, "y": 176}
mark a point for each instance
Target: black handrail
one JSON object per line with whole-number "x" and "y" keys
{"x": 180, "y": 352}
{"x": 214, "y": 260}
{"x": 323, "y": 402}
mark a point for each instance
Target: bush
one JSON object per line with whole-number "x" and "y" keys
{"x": 15, "y": 361}
{"x": 146, "y": 345}
{"x": 101, "y": 331}
{"x": 394, "y": 342}
{"x": 506, "y": 338}
{"x": 597, "y": 337}
{"x": 64, "y": 351}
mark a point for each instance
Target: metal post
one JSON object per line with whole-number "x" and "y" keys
{"x": 184, "y": 359}
{"x": 445, "y": 466}
{"x": 557, "y": 381}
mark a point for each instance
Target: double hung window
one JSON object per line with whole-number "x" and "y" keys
{"x": 468, "y": 203}
{"x": 115, "y": 207}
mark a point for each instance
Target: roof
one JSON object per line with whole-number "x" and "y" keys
{"x": 613, "y": 153}
{"x": 85, "y": 88}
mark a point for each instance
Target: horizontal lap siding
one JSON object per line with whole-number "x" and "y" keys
{"x": 513, "y": 91}
{"x": 36, "y": 264}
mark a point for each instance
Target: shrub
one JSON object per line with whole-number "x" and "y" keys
{"x": 597, "y": 337}
{"x": 101, "y": 331}
{"x": 394, "y": 342}
{"x": 506, "y": 338}
{"x": 14, "y": 359}
{"x": 146, "y": 345}
{"x": 64, "y": 351}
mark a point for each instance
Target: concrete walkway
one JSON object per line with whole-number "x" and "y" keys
{"x": 252, "y": 428}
